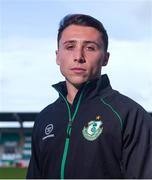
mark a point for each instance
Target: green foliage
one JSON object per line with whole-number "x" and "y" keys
{"x": 13, "y": 173}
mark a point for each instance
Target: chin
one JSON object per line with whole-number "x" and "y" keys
{"x": 77, "y": 81}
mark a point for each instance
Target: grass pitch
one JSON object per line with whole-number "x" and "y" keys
{"x": 13, "y": 173}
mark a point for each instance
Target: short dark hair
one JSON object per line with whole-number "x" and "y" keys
{"x": 83, "y": 20}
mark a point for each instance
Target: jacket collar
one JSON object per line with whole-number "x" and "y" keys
{"x": 97, "y": 87}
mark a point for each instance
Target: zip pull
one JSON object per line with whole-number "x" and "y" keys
{"x": 69, "y": 128}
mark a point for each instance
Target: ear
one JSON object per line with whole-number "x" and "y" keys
{"x": 57, "y": 57}
{"x": 106, "y": 59}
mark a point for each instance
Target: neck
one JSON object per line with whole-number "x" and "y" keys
{"x": 72, "y": 91}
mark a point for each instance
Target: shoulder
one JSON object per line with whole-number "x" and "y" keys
{"x": 126, "y": 108}
{"x": 46, "y": 113}
{"x": 122, "y": 101}
{"x": 51, "y": 107}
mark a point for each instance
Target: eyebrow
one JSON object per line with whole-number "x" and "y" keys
{"x": 85, "y": 42}
{"x": 69, "y": 41}
{"x": 92, "y": 42}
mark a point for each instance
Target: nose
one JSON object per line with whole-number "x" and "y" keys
{"x": 79, "y": 55}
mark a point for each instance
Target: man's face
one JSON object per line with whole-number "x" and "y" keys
{"x": 81, "y": 54}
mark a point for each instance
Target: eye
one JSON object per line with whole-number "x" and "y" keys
{"x": 90, "y": 48}
{"x": 69, "y": 47}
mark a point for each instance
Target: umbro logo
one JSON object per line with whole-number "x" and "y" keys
{"x": 48, "y": 131}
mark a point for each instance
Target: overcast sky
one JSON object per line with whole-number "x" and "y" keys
{"x": 28, "y": 43}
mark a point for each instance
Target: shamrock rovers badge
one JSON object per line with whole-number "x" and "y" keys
{"x": 93, "y": 130}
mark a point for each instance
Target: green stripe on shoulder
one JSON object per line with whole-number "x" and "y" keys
{"x": 114, "y": 111}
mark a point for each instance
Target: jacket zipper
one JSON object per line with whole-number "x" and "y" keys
{"x": 69, "y": 128}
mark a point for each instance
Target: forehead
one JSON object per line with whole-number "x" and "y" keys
{"x": 77, "y": 32}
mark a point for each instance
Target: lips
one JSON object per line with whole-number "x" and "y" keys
{"x": 78, "y": 69}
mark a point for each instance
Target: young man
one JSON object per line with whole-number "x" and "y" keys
{"x": 91, "y": 130}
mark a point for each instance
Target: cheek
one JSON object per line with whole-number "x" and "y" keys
{"x": 60, "y": 58}
{"x": 63, "y": 65}
{"x": 63, "y": 62}
{"x": 95, "y": 62}
{"x": 95, "y": 66}
{"x": 64, "y": 57}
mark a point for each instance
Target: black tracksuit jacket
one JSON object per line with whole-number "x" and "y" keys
{"x": 103, "y": 134}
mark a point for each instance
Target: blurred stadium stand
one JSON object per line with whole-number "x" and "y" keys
{"x": 15, "y": 138}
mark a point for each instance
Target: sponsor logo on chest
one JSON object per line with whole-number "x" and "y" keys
{"x": 93, "y": 129}
{"x": 48, "y": 131}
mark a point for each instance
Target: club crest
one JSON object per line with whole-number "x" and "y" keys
{"x": 93, "y": 130}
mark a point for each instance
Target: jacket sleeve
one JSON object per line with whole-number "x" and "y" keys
{"x": 137, "y": 145}
{"x": 33, "y": 171}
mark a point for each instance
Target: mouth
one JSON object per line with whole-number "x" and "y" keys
{"x": 78, "y": 70}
